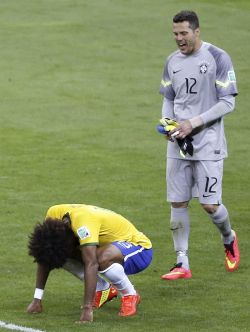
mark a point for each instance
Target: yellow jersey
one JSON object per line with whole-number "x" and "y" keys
{"x": 97, "y": 226}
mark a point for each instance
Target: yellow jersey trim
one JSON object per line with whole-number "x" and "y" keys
{"x": 165, "y": 83}
{"x": 223, "y": 84}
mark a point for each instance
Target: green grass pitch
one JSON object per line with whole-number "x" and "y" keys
{"x": 79, "y": 105}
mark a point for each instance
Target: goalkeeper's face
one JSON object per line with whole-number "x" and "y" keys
{"x": 187, "y": 39}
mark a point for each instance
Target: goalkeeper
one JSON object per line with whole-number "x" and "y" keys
{"x": 199, "y": 89}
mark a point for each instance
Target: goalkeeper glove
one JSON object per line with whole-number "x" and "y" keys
{"x": 166, "y": 126}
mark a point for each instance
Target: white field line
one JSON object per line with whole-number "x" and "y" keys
{"x": 10, "y": 326}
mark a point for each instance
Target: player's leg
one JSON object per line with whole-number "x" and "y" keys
{"x": 104, "y": 290}
{"x": 210, "y": 187}
{"x": 179, "y": 192}
{"x": 116, "y": 262}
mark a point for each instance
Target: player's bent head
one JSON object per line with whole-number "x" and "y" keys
{"x": 189, "y": 16}
{"x": 50, "y": 243}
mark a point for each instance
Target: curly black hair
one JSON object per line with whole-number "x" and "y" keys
{"x": 51, "y": 243}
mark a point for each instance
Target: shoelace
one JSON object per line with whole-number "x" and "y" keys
{"x": 126, "y": 303}
{"x": 126, "y": 300}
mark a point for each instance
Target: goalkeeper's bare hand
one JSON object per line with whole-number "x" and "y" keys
{"x": 183, "y": 129}
{"x": 172, "y": 129}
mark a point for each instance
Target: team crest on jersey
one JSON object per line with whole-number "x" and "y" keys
{"x": 203, "y": 67}
{"x": 83, "y": 232}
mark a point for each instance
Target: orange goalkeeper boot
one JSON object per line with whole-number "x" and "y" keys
{"x": 232, "y": 254}
{"x": 177, "y": 272}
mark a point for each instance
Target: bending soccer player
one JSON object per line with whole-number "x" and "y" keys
{"x": 199, "y": 89}
{"x": 91, "y": 243}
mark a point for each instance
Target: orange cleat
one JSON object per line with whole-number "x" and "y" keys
{"x": 177, "y": 272}
{"x": 128, "y": 305}
{"x": 232, "y": 255}
{"x": 101, "y": 297}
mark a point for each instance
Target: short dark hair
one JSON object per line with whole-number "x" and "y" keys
{"x": 51, "y": 243}
{"x": 189, "y": 16}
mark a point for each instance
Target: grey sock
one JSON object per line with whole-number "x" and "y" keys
{"x": 180, "y": 226}
{"x": 221, "y": 220}
{"x": 182, "y": 257}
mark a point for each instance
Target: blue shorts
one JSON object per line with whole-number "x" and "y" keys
{"x": 136, "y": 258}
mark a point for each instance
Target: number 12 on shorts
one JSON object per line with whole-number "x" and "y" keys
{"x": 209, "y": 186}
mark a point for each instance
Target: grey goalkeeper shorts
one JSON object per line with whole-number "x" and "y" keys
{"x": 194, "y": 178}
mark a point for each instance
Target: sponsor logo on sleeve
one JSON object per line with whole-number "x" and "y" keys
{"x": 231, "y": 76}
{"x": 83, "y": 232}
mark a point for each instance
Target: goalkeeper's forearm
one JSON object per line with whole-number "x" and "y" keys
{"x": 223, "y": 107}
{"x": 167, "y": 110}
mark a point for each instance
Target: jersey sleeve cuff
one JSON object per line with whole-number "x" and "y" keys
{"x": 89, "y": 244}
